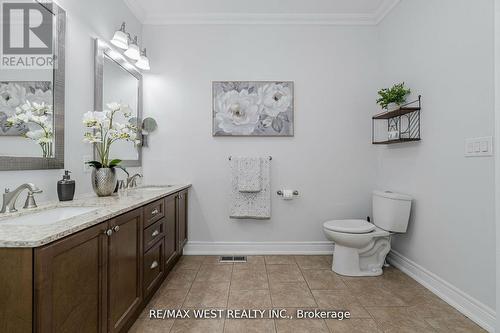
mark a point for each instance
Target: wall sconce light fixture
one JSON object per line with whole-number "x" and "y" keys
{"x": 143, "y": 62}
{"x": 133, "y": 51}
{"x": 122, "y": 39}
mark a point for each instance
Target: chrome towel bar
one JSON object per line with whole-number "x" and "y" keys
{"x": 280, "y": 192}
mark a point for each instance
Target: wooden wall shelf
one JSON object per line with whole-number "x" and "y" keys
{"x": 390, "y": 142}
{"x": 402, "y": 125}
{"x": 396, "y": 113}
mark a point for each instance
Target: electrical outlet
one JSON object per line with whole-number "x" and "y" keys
{"x": 87, "y": 168}
{"x": 478, "y": 147}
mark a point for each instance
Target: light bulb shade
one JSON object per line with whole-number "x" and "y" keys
{"x": 133, "y": 52}
{"x": 120, "y": 39}
{"x": 143, "y": 63}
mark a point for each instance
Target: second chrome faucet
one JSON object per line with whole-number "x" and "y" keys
{"x": 132, "y": 181}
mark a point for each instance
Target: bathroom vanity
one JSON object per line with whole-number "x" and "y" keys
{"x": 93, "y": 272}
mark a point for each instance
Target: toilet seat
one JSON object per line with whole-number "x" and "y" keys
{"x": 350, "y": 226}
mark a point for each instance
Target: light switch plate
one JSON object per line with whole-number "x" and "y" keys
{"x": 479, "y": 147}
{"x": 87, "y": 168}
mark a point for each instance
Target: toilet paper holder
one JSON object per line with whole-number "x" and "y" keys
{"x": 280, "y": 192}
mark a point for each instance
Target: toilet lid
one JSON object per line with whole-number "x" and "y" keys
{"x": 350, "y": 226}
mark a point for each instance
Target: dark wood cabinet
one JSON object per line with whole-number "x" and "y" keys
{"x": 96, "y": 280}
{"x": 16, "y": 290}
{"x": 170, "y": 229}
{"x": 124, "y": 269}
{"x": 154, "y": 212}
{"x": 182, "y": 219}
{"x": 70, "y": 284}
{"x": 91, "y": 281}
{"x": 154, "y": 233}
{"x": 154, "y": 267}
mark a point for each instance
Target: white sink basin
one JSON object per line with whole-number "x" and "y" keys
{"x": 49, "y": 216}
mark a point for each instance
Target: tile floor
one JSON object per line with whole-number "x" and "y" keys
{"x": 392, "y": 302}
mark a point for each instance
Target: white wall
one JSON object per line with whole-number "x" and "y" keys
{"x": 428, "y": 44}
{"x": 444, "y": 50}
{"x": 85, "y": 20}
{"x": 497, "y": 151}
{"x": 330, "y": 159}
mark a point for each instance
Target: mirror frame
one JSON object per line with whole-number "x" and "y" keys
{"x": 17, "y": 163}
{"x": 103, "y": 49}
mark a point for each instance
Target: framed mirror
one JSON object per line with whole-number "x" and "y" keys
{"x": 32, "y": 91}
{"x": 118, "y": 80}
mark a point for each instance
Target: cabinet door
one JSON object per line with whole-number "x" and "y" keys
{"x": 125, "y": 251}
{"x": 182, "y": 218}
{"x": 170, "y": 228}
{"x": 154, "y": 267}
{"x": 16, "y": 290}
{"x": 70, "y": 283}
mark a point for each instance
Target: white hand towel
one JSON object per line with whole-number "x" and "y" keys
{"x": 251, "y": 205}
{"x": 249, "y": 174}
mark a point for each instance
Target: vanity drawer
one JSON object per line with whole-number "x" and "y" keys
{"x": 154, "y": 212}
{"x": 154, "y": 267}
{"x": 153, "y": 233}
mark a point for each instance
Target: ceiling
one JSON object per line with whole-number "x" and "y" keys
{"x": 334, "y": 12}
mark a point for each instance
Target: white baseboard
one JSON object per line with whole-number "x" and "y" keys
{"x": 256, "y": 248}
{"x": 481, "y": 314}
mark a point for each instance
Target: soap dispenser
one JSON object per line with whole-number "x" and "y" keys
{"x": 66, "y": 187}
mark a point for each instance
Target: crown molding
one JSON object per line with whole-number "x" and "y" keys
{"x": 136, "y": 9}
{"x": 271, "y": 19}
{"x": 354, "y": 19}
{"x": 385, "y": 8}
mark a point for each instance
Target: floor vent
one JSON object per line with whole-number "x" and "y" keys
{"x": 232, "y": 259}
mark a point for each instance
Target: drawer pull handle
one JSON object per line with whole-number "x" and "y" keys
{"x": 155, "y": 233}
{"x": 155, "y": 211}
{"x": 108, "y": 232}
{"x": 154, "y": 264}
{"x": 116, "y": 228}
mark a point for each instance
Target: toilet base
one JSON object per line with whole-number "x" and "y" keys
{"x": 367, "y": 261}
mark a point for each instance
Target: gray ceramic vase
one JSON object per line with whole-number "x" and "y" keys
{"x": 104, "y": 181}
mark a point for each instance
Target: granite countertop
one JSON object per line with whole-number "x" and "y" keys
{"x": 17, "y": 236}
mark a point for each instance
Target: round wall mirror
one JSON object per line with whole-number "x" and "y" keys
{"x": 149, "y": 125}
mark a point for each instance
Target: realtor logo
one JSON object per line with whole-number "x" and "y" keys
{"x": 27, "y": 40}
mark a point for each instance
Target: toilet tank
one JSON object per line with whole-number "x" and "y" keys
{"x": 391, "y": 211}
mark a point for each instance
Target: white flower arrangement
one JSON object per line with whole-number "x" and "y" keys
{"x": 38, "y": 119}
{"x": 103, "y": 131}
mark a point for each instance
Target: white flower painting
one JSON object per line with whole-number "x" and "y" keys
{"x": 16, "y": 94}
{"x": 37, "y": 118}
{"x": 252, "y": 108}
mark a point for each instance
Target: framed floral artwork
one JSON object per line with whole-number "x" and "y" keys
{"x": 13, "y": 97}
{"x": 252, "y": 108}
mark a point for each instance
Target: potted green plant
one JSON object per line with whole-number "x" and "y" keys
{"x": 393, "y": 98}
{"x": 102, "y": 132}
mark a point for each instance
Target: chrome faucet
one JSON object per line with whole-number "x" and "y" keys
{"x": 10, "y": 198}
{"x": 132, "y": 181}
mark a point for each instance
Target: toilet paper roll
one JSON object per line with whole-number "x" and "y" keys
{"x": 287, "y": 194}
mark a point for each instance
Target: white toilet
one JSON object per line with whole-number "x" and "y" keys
{"x": 360, "y": 246}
